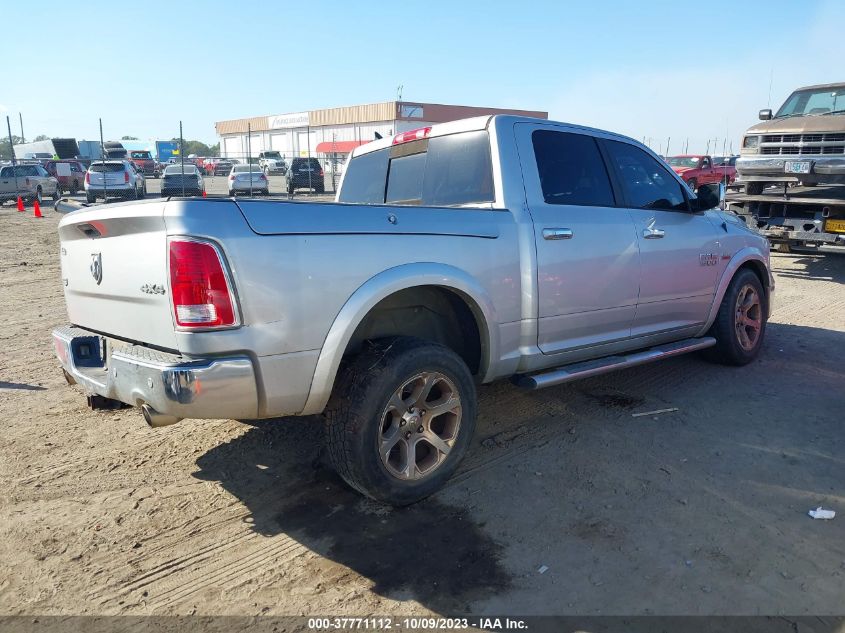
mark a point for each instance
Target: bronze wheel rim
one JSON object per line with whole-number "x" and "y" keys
{"x": 419, "y": 426}
{"x": 749, "y": 317}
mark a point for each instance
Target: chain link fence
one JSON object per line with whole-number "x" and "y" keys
{"x": 94, "y": 171}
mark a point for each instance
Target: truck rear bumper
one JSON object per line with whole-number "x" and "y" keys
{"x": 210, "y": 388}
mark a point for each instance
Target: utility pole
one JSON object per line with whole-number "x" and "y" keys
{"x": 249, "y": 154}
{"x": 182, "y": 156}
{"x": 667, "y": 146}
{"x": 12, "y": 151}
{"x": 308, "y": 132}
{"x": 103, "y": 161}
{"x": 23, "y": 138}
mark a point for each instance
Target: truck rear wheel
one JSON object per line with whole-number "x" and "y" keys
{"x": 740, "y": 324}
{"x": 400, "y": 419}
{"x": 754, "y": 188}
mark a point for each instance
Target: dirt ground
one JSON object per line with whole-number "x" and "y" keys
{"x": 700, "y": 511}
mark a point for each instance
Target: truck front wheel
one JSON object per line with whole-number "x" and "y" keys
{"x": 741, "y": 321}
{"x": 400, "y": 419}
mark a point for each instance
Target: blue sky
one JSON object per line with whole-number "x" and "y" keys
{"x": 684, "y": 70}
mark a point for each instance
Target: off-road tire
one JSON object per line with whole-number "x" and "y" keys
{"x": 728, "y": 350}
{"x": 353, "y": 416}
{"x": 90, "y": 198}
{"x": 57, "y": 194}
{"x": 692, "y": 183}
{"x": 39, "y": 195}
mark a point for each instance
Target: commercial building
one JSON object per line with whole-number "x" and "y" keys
{"x": 334, "y": 132}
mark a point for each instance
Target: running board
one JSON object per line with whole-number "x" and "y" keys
{"x": 599, "y": 366}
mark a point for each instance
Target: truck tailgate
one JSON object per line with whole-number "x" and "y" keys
{"x": 114, "y": 271}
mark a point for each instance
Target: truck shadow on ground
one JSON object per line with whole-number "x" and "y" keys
{"x": 430, "y": 552}
{"x": 821, "y": 266}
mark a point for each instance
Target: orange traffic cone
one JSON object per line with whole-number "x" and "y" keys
{"x": 37, "y": 208}
{"x": 20, "y": 204}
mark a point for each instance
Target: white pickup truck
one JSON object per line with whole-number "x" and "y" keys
{"x": 467, "y": 252}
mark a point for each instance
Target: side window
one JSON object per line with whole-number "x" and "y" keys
{"x": 705, "y": 163}
{"x": 571, "y": 169}
{"x": 647, "y": 183}
{"x": 6, "y": 172}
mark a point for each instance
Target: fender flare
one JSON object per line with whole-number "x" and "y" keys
{"x": 741, "y": 257}
{"x": 383, "y": 285}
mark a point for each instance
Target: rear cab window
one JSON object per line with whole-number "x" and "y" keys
{"x": 451, "y": 170}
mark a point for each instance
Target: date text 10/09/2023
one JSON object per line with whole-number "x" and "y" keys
{"x": 415, "y": 623}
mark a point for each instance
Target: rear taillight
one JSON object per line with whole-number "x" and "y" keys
{"x": 88, "y": 177}
{"x": 320, "y": 173}
{"x": 262, "y": 177}
{"x": 412, "y": 135}
{"x": 126, "y": 176}
{"x": 202, "y": 295}
{"x": 231, "y": 176}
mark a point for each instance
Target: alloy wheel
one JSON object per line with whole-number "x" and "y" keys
{"x": 419, "y": 426}
{"x": 749, "y": 317}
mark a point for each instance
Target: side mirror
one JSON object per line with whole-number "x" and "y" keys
{"x": 707, "y": 197}
{"x": 765, "y": 115}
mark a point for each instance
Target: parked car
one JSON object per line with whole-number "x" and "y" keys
{"x": 305, "y": 173}
{"x": 178, "y": 181}
{"x": 246, "y": 178}
{"x": 272, "y": 162}
{"x": 804, "y": 142}
{"x": 31, "y": 182}
{"x": 114, "y": 178}
{"x": 72, "y": 176}
{"x": 222, "y": 167}
{"x": 459, "y": 254}
{"x": 144, "y": 162}
{"x": 700, "y": 170}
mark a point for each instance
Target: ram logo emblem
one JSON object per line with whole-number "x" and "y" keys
{"x": 708, "y": 259}
{"x": 96, "y": 267}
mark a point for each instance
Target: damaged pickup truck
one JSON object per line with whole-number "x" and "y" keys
{"x": 454, "y": 255}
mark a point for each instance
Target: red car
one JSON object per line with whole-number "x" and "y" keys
{"x": 71, "y": 178}
{"x": 697, "y": 170}
{"x": 144, "y": 162}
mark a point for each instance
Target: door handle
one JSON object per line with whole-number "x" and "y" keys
{"x": 557, "y": 234}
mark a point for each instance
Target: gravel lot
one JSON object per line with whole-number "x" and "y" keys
{"x": 700, "y": 511}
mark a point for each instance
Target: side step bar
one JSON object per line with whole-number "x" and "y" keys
{"x": 589, "y": 368}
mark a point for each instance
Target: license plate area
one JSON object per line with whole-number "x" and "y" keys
{"x": 797, "y": 166}
{"x": 834, "y": 226}
{"x": 88, "y": 351}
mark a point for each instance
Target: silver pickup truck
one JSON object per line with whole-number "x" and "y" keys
{"x": 464, "y": 253}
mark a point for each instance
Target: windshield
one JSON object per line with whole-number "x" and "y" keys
{"x": 274, "y": 155}
{"x": 141, "y": 155}
{"x": 818, "y": 101}
{"x": 683, "y": 161}
{"x": 238, "y": 169}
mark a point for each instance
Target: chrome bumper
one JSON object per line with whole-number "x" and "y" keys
{"x": 772, "y": 167}
{"x": 211, "y": 388}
